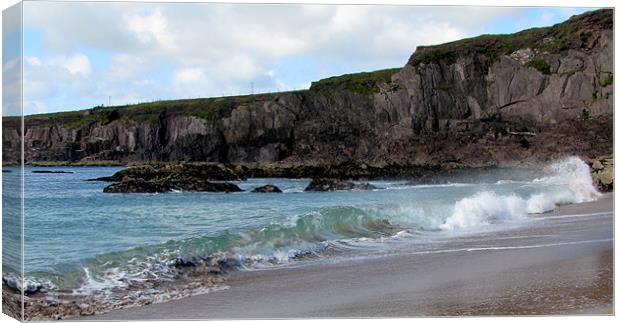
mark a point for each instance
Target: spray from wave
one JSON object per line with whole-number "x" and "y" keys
{"x": 567, "y": 181}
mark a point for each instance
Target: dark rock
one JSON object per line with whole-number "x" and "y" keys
{"x": 166, "y": 178}
{"x": 102, "y": 179}
{"x": 51, "y": 172}
{"x": 186, "y": 184}
{"x": 189, "y": 185}
{"x": 132, "y": 185}
{"x": 198, "y": 171}
{"x": 602, "y": 170}
{"x": 7, "y": 171}
{"x": 327, "y": 185}
{"x": 267, "y": 189}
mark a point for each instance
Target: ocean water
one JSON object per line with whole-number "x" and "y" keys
{"x": 81, "y": 241}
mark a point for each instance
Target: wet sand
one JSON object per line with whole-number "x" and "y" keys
{"x": 559, "y": 264}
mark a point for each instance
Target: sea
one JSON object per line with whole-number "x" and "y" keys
{"x": 81, "y": 242}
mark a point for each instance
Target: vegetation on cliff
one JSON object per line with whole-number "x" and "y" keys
{"x": 205, "y": 108}
{"x": 362, "y": 83}
{"x": 554, "y": 39}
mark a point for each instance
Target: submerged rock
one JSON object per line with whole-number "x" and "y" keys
{"x": 267, "y": 189}
{"x": 327, "y": 185}
{"x": 51, "y": 172}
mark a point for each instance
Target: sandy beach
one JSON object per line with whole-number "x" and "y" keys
{"x": 561, "y": 263}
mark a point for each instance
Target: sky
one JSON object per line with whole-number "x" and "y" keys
{"x": 80, "y": 55}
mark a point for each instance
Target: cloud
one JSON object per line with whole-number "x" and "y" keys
{"x": 151, "y": 27}
{"x": 34, "y": 61}
{"x": 76, "y": 64}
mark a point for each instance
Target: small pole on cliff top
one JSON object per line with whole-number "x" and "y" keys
{"x": 109, "y": 100}
{"x": 252, "y": 87}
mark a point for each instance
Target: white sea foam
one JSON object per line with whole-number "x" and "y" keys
{"x": 540, "y": 203}
{"x": 484, "y": 208}
{"x": 28, "y": 284}
{"x": 568, "y": 181}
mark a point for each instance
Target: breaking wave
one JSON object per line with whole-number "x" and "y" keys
{"x": 567, "y": 181}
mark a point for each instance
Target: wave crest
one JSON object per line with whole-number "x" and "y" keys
{"x": 567, "y": 181}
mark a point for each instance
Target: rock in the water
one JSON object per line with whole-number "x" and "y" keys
{"x": 198, "y": 171}
{"x": 51, "y": 172}
{"x": 602, "y": 169}
{"x": 133, "y": 185}
{"x": 267, "y": 189}
{"x": 173, "y": 177}
{"x": 189, "y": 185}
{"x": 328, "y": 185}
{"x": 597, "y": 165}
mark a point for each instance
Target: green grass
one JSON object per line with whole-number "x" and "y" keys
{"x": 362, "y": 83}
{"x": 149, "y": 112}
{"x": 552, "y": 39}
{"x": 541, "y": 65}
{"x": 608, "y": 80}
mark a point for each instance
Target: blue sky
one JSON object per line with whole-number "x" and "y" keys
{"x": 78, "y": 55}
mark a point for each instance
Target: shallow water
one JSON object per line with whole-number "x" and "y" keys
{"x": 80, "y": 240}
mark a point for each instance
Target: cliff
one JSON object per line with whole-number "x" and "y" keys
{"x": 490, "y": 100}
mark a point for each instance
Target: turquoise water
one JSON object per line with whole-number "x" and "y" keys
{"x": 78, "y": 238}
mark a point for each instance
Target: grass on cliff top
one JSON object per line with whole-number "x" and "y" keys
{"x": 205, "y": 108}
{"x": 148, "y": 112}
{"x": 363, "y": 83}
{"x": 566, "y": 35}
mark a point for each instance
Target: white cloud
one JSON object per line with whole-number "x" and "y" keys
{"x": 349, "y": 18}
{"x": 125, "y": 67}
{"x": 151, "y": 27}
{"x": 188, "y": 75}
{"x": 77, "y": 64}
{"x": 32, "y": 60}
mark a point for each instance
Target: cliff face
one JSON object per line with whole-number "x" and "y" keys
{"x": 490, "y": 100}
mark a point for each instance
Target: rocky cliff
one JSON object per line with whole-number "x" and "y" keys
{"x": 491, "y": 100}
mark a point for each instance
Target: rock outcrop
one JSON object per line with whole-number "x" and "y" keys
{"x": 138, "y": 185}
{"x": 182, "y": 177}
{"x": 602, "y": 170}
{"x": 329, "y": 185}
{"x": 267, "y": 189}
{"x": 502, "y": 100}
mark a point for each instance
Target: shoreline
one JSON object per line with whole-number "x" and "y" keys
{"x": 601, "y": 169}
{"x": 564, "y": 265}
